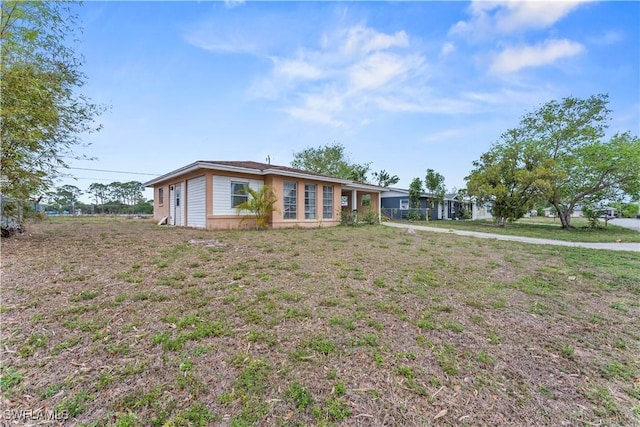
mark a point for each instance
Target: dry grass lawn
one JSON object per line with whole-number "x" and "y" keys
{"x": 125, "y": 323}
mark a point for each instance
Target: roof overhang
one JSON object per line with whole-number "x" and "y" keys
{"x": 352, "y": 185}
{"x": 252, "y": 171}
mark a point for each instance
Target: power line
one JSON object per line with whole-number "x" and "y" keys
{"x": 88, "y": 178}
{"x": 110, "y": 171}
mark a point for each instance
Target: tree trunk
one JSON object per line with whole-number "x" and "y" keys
{"x": 565, "y": 218}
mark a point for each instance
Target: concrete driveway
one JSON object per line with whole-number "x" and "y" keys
{"x": 634, "y": 247}
{"x": 630, "y": 223}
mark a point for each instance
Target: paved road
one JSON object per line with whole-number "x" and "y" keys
{"x": 634, "y": 247}
{"x": 630, "y": 223}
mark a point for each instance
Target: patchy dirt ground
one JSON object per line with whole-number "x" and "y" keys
{"x": 122, "y": 322}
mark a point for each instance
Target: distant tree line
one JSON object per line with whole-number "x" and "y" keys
{"x": 114, "y": 198}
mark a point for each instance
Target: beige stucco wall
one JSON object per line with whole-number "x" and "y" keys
{"x": 278, "y": 221}
{"x": 375, "y": 200}
{"x": 162, "y": 210}
{"x": 160, "y": 207}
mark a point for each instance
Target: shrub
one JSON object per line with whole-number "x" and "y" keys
{"x": 370, "y": 217}
{"x": 348, "y": 217}
{"x": 261, "y": 204}
{"x": 593, "y": 216}
{"x": 413, "y": 215}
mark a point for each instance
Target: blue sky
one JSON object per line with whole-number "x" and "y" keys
{"x": 406, "y": 86}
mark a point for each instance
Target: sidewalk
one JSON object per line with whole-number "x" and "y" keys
{"x": 634, "y": 247}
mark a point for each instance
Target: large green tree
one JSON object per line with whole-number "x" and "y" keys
{"x": 42, "y": 114}
{"x": 330, "y": 160}
{"x": 586, "y": 167}
{"x": 559, "y": 154}
{"x": 434, "y": 183}
{"x": 509, "y": 177}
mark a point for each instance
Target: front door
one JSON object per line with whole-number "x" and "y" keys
{"x": 175, "y": 208}
{"x": 177, "y": 192}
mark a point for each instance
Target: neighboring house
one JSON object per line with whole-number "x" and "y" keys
{"x": 204, "y": 194}
{"x": 395, "y": 205}
{"x": 609, "y": 212}
{"x": 576, "y": 213}
{"x": 479, "y": 211}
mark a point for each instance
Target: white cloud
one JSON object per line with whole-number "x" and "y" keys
{"x": 516, "y": 58}
{"x": 231, "y": 42}
{"x": 349, "y": 70}
{"x": 365, "y": 40}
{"x": 523, "y": 15}
{"x": 241, "y": 30}
{"x": 315, "y": 116}
{"x": 512, "y": 16}
{"x": 447, "y": 49}
{"x": 423, "y": 102}
{"x": 296, "y": 69}
{"x": 357, "y": 73}
{"x": 325, "y": 108}
{"x": 233, "y": 3}
{"x": 380, "y": 69}
{"x": 506, "y": 98}
{"x": 607, "y": 39}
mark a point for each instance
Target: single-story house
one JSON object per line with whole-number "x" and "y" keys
{"x": 395, "y": 205}
{"x": 578, "y": 211}
{"x": 204, "y": 194}
{"x": 609, "y": 212}
{"x": 481, "y": 211}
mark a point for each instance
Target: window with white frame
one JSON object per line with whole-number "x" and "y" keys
{"x": 404, "y": 204}
{"x": 160, "y": 196}
{"x": 327, "y": 201}
{"x": 239, "y": 193}
{"x": 290, "y": 200}
{"x": 309, "y": 201}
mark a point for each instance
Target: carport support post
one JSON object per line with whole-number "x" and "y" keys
{"x": 354, "y": 204}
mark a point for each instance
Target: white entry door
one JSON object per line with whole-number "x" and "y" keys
{"x": 175, "y": 205}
